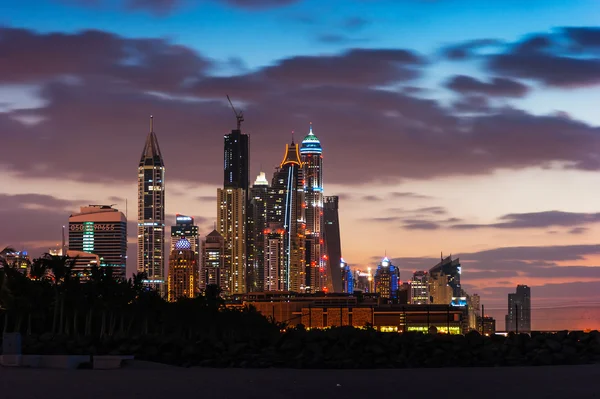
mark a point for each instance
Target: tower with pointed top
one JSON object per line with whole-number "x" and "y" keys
{"x": 285, "y": 206}
{"x": 317, "y": 276}
{"x": 151, "y": 213}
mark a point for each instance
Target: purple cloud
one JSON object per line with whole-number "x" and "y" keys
{"x": 497, "y": 87}
{"x": 538, "y": 220}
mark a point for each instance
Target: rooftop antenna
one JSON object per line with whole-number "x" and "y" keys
{"x": 292, "y": 137}
{"x": 151, "y": 123}
{"x": 239, "y": 116}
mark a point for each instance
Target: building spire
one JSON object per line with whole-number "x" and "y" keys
{"x": 151, "y": 123}
{"x": 310, "y": 132}
{"x": 292, "y": 136}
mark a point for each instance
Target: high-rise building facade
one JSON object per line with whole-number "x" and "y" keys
{"x": 285, "y": 204}
{"x": 100, "y": 230}
{"x": 232, "y": 202}
{"x": 275, "y": 276}
{"x": 333, "y": 244}
{"x": 311, "y": 155}
{"x": 257, "y": 223}
{"x": 231, "y": 224}
{"x": 151, "y": 213}
{"x": 387, "y": 278}
{"x": 444, "y": 281}
{"x": 212, "y": 268}
{"x": 183, "y": 271}
{"x": 518, "y": 318}
{"x": 184, "y": 228}
{"x": 419, "y": 288}
{"x": 347, "y": 277}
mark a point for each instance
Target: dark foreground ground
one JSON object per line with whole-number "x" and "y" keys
{"x": 149, "y": 381}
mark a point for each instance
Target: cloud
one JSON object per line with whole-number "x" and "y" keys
{"x": 497, "y": 87}
{"x": 415, "y": 224}
{"x": 463, "y": 51}
{"x": 408, "y": 195}
{"x": 354, "y": 23}
{"x": 207, "y": 198}
{"x": 538, "y": 220}
{"x": 371, "y": 198}
{"x": 435, "y": 210}
{"x": 566, "y": 57}
{"x": 258, "y": 4}
{"x": 149, "y": 64}
{"x": 338, "y": 38}
{"x": 578, "y": 230}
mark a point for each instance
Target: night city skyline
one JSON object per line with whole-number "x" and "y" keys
{"x": 435, "y": 140}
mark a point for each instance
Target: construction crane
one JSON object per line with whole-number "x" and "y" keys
{"x": 239, "y": 116}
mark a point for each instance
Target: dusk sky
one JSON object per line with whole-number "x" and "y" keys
{"x": 457, "y": 126}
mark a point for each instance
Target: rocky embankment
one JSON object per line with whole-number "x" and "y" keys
{"x": 337, "y": 348}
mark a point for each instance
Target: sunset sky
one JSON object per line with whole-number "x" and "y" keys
{"x": 459, "y": 127}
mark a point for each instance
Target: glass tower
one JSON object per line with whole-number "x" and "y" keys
{"x": 311, "y": 154}
{"x": 151, "y": 213}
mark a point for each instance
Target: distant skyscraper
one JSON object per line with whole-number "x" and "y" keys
{"x": 183, "y": 271}
{"x": 232, "y": 202}
{"x": 331, "y": 235}
{"x": 387, "y": 278}
{"x": 212, "y": 269}
{"x": 347, "y": 277}
{"x": 444, "y": 281}
{"x": 519, "y": 310}
{"x": 151, "y": 213}
{"x": 419, "y": 288}
{"x": 311, "y": 154}
{"x": 275, "y": 271}
{"x": 100, "y": 230}
{"x": 362, "y": 281}
{"x": 285, "y": 206}
{"x": 257, "y": 223}
{"x": 185, "y": 228}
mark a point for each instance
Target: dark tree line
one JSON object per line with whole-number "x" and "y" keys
{"x": 53, "y": 299}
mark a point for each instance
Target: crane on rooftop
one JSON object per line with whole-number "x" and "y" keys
{"x": 239, "y": 116}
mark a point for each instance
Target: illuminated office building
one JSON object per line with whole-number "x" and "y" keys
{"x": 18, "y": 260}
{"x": 185, "y": 228}
{"x": 347, "y": 277}
{"x": 275, "y": 272}
{"x": 212, "y": 268}
{"x": 151, "y": 213}
{"x": 419, "y": 288}
{"x": 518, "y": 318}
{"x": 183, "y": 272}
{"x": 285, "y": 206}
{"x": 100, "y": 230}
{"x": 333, "y": 244}
{"x": 232, "y": 201}
{"x": 257, "y": 223}
{"x": 387, "y": 278}
{"x": 444, "y": 281}
{"x": 311, "y": 155}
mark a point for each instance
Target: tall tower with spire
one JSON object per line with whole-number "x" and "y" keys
{"x": 285, "y": 207}
{"x": 311, "y": 153}
{"x": 151, "y": 213}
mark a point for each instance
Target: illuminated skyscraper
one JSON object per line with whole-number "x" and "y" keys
{"x": 100, "y": 230}
{"x": 419, "y": 288}
{"x": 518, "y": 318}
{"x": 347, "y": 277}
{"x": 333, "y": 246}
{"x": 232, "y": 201}
{"x": 212, "y": 269}
{"x": 311, "y": 155}
{"x": 183, "y": 271}
{"x": 387, "y": 277}
{"x": 151, "y": 213}
{"x": 285, "y": 206}
{"x": 185, "y": 228}
{"x": 275, "y": 276}
{"x": 444, "y": 281}
{"x": 257, "y": 223}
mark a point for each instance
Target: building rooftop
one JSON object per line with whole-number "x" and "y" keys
{"x": 311, "y": 143}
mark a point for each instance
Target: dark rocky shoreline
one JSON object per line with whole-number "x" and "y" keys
{"x": 337, "y": 348}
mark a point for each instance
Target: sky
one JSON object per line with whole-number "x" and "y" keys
{"x": 455, "y": 127}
